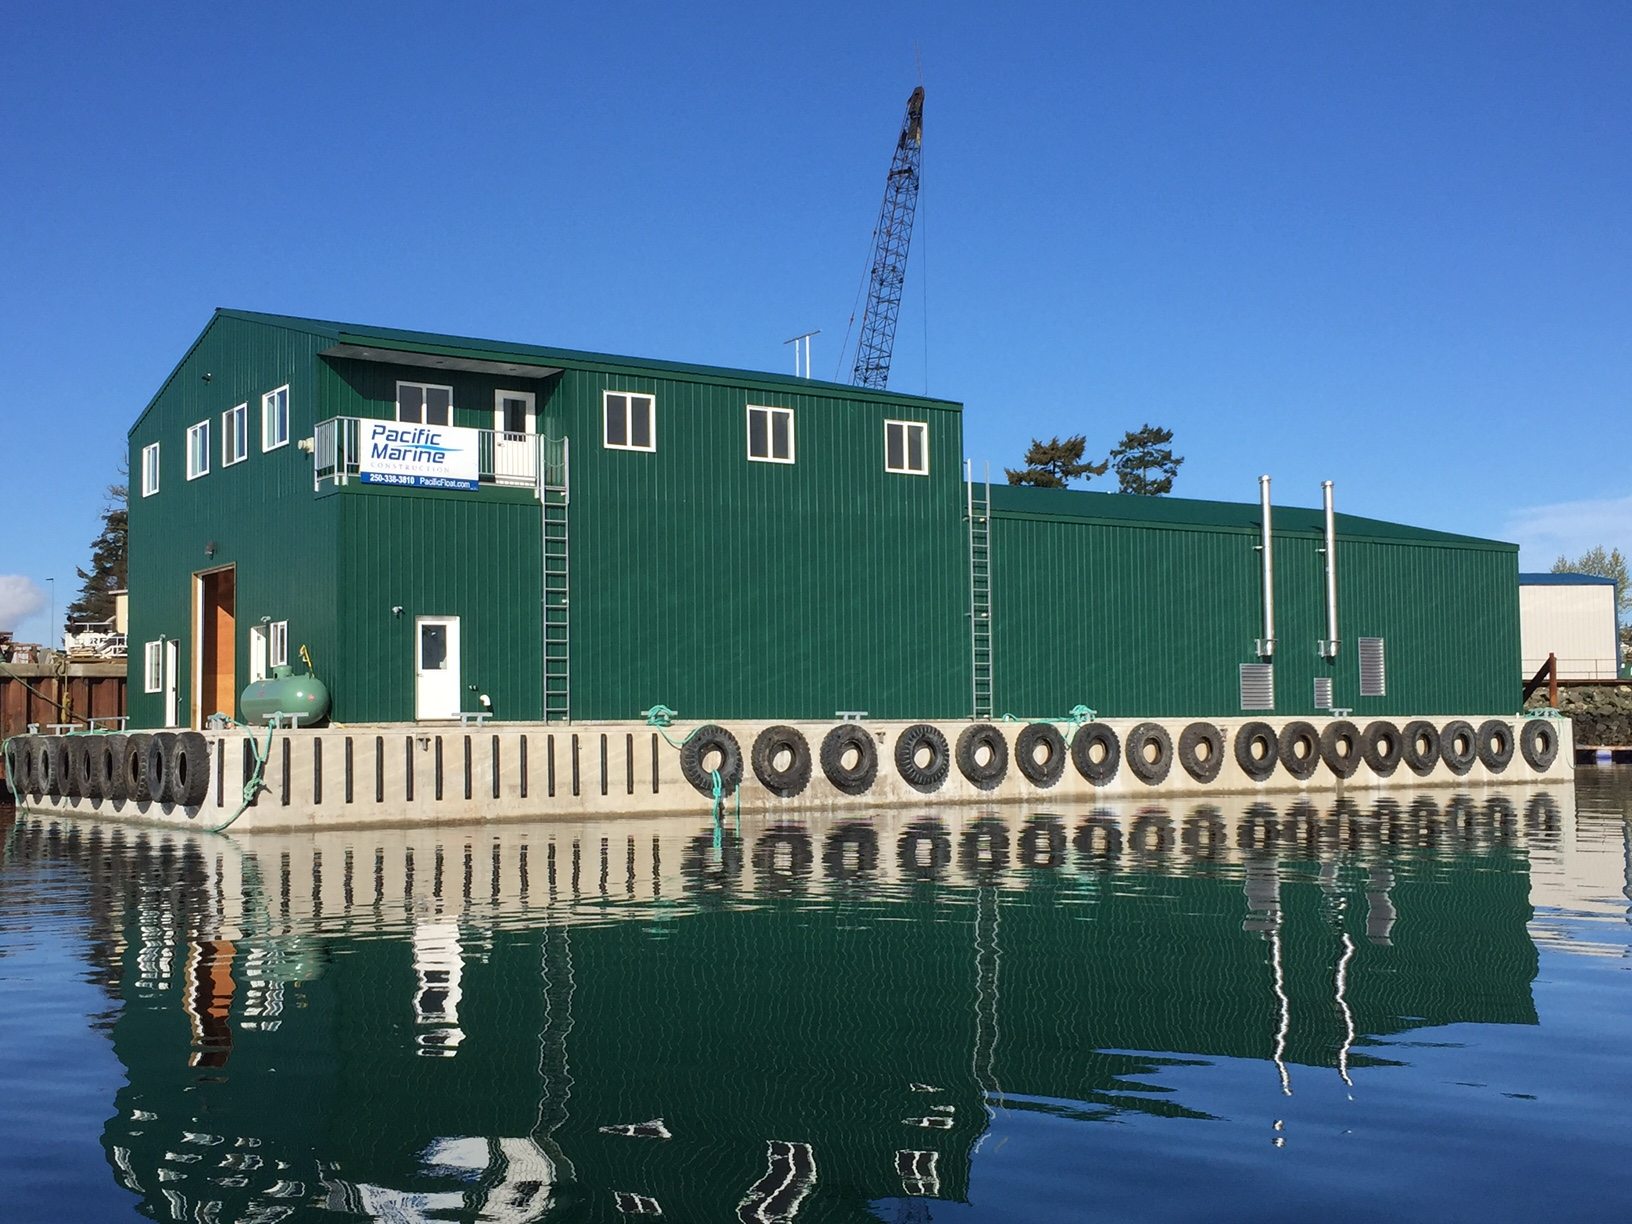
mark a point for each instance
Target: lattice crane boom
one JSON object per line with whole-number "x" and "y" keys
{"x": 888, "y": 271}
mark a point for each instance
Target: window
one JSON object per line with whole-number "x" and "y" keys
{"x": 234, "y": 435}
{"x": 150, "y": 469}
{"x": 631, "y": 421}
{"x": 153, "y": 667}
{"x": 424, "y": 404}
{"x": 275, "y": 418}
{"x": 278, "y": 648}
{"x": 770, "y": 434}
{"x": 198, "y": 450}
{"x": 906, "y": 447}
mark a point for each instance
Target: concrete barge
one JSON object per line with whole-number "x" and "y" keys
{"x": 253, "y": 779}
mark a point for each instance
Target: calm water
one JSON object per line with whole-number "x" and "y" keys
{"x": 1417, "y": 1008}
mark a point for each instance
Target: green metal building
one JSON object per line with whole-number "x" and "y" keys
{"x": 618, "y": 533}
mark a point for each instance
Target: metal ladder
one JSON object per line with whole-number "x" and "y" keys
{"x": 979, "y": 514}
{"x": 555, "y": 498}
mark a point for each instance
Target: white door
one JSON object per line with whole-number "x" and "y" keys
{"x": 172, "y": 666}
{"x": 258, "y": 637}
{"x": 515, "y": 438}
{"x": 436, "y": 667}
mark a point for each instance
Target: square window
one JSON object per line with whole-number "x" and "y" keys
{"x": 150, "y": 469}
{"x": 630, "y": 421}
{"x": 424, "y": 403}
{"x": 153, "y": 667}
{"x": 198, "y": 450}
{"x": 906, "y": 447}
{"x": 275, "y": 418}
{"x": 277, "y": 653}
{"x": 234, "y": 435}
{"x": 770, "y": 434}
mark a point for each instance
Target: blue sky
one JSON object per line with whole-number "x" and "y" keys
{"x": 1382, "y": 244}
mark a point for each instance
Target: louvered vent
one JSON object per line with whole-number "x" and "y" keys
{"x": 1373, "y": 673}
{"x": 1323, "y": 692}
{"x": 1257, "y": 686}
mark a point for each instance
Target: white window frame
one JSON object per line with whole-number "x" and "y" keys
{"x": 906, "y": 427}
{"x": 277, "y": 645}
{"x": 153, "y": 667}
{"x": 423, "y": 387}
{"x": 235, "y": 434}
{"x": 275, "y": 419}
{"x": 629, "y": 398}
{"x": 150, "y": 469}
{"x": 771, "y": 412}
{"x": 198, "y": 450}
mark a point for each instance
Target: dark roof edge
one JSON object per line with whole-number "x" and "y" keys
{"x": 1569, "y": 579}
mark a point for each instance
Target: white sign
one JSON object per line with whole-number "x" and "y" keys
{"x": 420, "y": 456}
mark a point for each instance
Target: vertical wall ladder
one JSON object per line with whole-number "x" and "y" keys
{"x": 979, "y": 513}
{"x": 555, "y": 497}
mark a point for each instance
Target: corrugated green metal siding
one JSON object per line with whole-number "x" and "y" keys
{"x": 1155, "y": 620}
{"x": 260, "y": 513}
{"x": 721, "y": 586}
{"x": 474, "y": 556}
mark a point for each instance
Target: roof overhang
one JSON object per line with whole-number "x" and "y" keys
{"x": 431, "y": 360}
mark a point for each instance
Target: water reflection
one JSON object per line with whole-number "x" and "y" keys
{"x": 593, "y": 1021}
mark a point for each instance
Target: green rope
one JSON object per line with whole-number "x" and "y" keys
{"x": 254, "y": 786}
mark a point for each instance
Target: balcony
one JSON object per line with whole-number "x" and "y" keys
{"x": 406, "y": 455}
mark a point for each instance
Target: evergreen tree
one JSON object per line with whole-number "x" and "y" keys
{"x": 1055, "y": 464}
{"x": 108, "y": 561}
{"x": 1145, "y": 462}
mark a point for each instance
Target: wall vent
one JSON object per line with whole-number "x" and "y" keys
{"x": 1373, "y": 672}
{"x": 1257, "y": 686}
{"x": 1323, "y": 692}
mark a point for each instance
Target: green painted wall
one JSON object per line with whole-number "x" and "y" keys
{"x": 1139, "y": 617}
{"x": 260, "y": 514}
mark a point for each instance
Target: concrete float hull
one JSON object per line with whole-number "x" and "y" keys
{"x": 436, "y": 774}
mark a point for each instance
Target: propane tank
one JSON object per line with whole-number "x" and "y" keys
{"x": 283, "y": 692}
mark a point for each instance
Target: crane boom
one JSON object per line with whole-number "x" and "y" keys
{"x": 890, "y": 241}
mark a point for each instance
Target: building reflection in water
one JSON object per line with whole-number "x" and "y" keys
{"x": 658, "y": 1016}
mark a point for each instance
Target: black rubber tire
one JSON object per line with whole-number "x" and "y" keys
{"x": 1257, "y": 751}
{"x": 1192, "y": 739}
{"x": 1046, "y": 772}
{"x": 78, "y": 780}
{"x": 970, "y": 741}
{"x": 1419, "y": 746}
{"x": 1299, "y": 748}
{"x": 14, "y": 779}
{"x": 137, "y": 787}
{"x": 711, "y": 738}
{"x": 1042, "y": 843}
{"x": 116, "y": 788}
{"x": 1458, "y": 759}
{"x": 105, "y": 765}
{"x": 1154, "y": 768}
{"x": 1381, "y": 747}
{"x": 940, "y": 850}
{"x": 928, "y": 777}
{"x": 61, "y": 765}
{"x": 990, "y": 835}
{"x": 1340, "y": 747}
{"x": 768, "y": 745}
{"x": 190, "y": 769}
{"x": 156, "y": 765}
{"x": 1496, "y": 744}
{"x": 854, "y": 779}
{"x": 1539, "y": 744}
{"x": 45, "y": 768}
{"x": 855, "y": 833}
{"x": 1102, "y": 736}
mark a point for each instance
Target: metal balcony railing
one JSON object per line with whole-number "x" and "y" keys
{"x": 504, "y": 459}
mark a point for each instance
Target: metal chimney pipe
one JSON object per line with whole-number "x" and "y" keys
{"x": 1266, "y": 644}
{"x": 1328, "y": 648}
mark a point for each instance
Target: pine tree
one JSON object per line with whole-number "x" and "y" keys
{"x": 1145, "y": 462}
{"x": 108, "y": 561}
{"x": 1055, "y": 464}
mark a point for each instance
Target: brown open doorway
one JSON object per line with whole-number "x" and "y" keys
{"x": 215, "y": 688}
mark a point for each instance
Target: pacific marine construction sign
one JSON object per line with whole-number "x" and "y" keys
{"x": 420, "y": 456}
